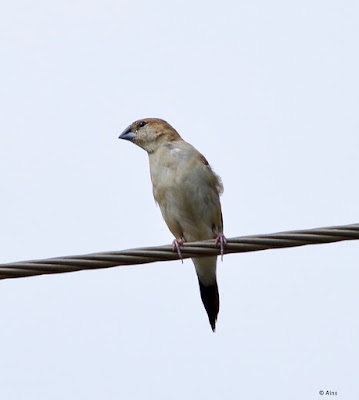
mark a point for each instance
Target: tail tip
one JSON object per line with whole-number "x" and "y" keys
{"x": 213, "y": 325}
{"x": 210, "y": 299}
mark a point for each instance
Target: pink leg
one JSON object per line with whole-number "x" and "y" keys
{"x": 221, "y": 239}
{"x": 177, "y": 243}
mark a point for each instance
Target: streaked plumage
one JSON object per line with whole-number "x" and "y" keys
{"x": 187, "y": 191}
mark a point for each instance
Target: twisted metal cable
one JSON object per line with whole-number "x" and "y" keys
{"x": 166, "y": 253}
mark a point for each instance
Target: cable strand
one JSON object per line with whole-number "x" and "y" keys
{"x": 165, "y": 253}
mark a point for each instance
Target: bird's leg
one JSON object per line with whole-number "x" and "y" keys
{"x": 177, "y": 243}
{"x": 221, "y": 239}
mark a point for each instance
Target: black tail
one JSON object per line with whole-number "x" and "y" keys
{"x": 210, "y": 299}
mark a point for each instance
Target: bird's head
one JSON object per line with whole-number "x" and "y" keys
{"x": 150, "y": 133}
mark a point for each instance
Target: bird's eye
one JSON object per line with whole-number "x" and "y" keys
{"x": 141, "y": 124}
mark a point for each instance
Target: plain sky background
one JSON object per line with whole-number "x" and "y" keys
{"x": 269, "y": 93}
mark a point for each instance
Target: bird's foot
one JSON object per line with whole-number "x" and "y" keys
{"x": 177, "y": 243}
{"x": 221, "y": 239}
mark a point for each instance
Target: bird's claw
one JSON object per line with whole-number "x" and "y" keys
{"x": 221, "y": 239}
{"x": 177, "y": 243}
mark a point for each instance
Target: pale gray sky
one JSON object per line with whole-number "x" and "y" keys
{"x": 268, "y": 92}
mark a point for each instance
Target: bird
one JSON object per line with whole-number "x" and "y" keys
{"x": 187, "y": 191}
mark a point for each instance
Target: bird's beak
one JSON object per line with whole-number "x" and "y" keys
{"x": 127, "y": 134}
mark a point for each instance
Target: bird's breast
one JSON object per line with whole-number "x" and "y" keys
{"x": 182, "y": 188}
